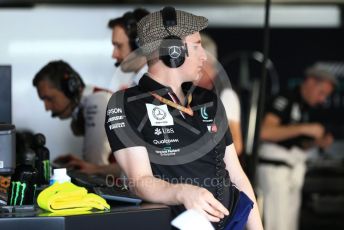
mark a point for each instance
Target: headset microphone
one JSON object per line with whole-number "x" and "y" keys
{"x": 117, "y": 64}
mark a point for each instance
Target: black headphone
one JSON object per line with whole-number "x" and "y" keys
{"x": 130, "y": 22}
{"x": 172, "y": 50}
{"x": 71, "y": 84}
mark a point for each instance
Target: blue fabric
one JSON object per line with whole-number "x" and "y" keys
{"x": 241, "y": 212}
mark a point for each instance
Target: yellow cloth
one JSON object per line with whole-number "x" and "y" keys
{"x": 67, "y": 198}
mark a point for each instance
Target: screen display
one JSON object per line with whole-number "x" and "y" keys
{"x": 5, "y": 94}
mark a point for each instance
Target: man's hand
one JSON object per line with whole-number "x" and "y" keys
{"x": 315, "y": 130}
{"x": 73, "y": 162}
{"x": 63, "y": 160}
{"x": 325, "y": 141}
{"x": 201, "y": 199}
{"x": 83, "y": 166}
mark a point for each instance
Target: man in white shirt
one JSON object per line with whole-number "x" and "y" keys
{"x": 129, "y": 60}
{"x": 64, "y": 93}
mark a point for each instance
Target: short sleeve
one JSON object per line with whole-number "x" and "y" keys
{"x": 119, "y": 124}
{"x": 96, "y": 147}
{"x": 231, "y": 104}
{"x": 279, "y": 106}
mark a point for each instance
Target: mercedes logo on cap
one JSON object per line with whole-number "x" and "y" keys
{"x": 174, "y": 51}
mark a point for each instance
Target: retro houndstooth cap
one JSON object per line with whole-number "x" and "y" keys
{"x": 151, "y": 29}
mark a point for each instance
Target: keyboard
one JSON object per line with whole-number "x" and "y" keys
{"x": 87, "y": 180}
{"x": 122, "y": 194}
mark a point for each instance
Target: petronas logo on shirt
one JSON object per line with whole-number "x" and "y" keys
{"x": 204, "y": 113}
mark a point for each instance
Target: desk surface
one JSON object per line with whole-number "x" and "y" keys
{"x": 144, "y": 216}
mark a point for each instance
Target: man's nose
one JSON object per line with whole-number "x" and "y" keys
{"x": 115, "y": 54}
{"x": 203, "y": 55}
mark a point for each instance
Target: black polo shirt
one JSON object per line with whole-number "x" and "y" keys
{"x": 290, "y": 108}
{"x": 182, "y": 148}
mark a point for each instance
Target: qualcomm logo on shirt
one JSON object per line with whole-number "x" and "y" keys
{"x": 165, "y": 141}
{"x": 159, "y": 131}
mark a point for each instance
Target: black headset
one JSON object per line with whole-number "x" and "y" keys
{"x": 130, "y": 22}
{"x": 71, "y": 83}
{"x": 172, "y": 50}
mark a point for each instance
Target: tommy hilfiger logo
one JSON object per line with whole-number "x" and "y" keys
{"x": 212, "y": 128}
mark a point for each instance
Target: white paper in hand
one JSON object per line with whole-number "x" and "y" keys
{"x": 190, "y": 220}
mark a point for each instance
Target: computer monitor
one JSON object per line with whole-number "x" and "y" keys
{"x": 5, "y": 94}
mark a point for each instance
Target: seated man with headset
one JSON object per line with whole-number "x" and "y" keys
{"x": 65, "y": 95}
{"x": 129, "y": 59}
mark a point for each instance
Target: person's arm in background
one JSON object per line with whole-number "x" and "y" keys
{"x": 96, "y": 148}
{"x": 239, "y": 178}
{"x": 272, "y": 130}
{"x": 135, "y": 163}
{"x": 71, "y": 161}
{"x": 231, "y": 103}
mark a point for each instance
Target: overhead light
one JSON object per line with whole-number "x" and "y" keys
{"x": 59, "y": 47}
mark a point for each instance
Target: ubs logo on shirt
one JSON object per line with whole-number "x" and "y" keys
{"x": 159, "y": 131}
{"x": 159, "y": 115}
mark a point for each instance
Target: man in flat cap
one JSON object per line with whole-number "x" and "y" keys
{"x": 170, "y": 137}
{"x": 288, "y": 135}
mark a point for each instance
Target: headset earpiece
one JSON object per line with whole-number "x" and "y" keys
{"x": 71, "y": 86}
{"x": 131, "y": 30}
{"x": 172, "y": 50}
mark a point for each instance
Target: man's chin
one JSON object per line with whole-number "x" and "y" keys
{"x": 125, "y": 69}
{"x": 63, "y": 117}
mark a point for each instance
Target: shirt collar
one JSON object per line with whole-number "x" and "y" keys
{"x": 149, "y": 84}
{"x": 138, "y": 75}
